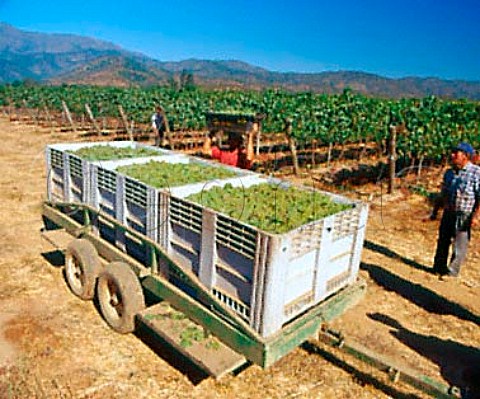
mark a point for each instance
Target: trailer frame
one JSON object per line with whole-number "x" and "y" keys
{"x": 238, "y": 344}
{"x": 65, "y": 221}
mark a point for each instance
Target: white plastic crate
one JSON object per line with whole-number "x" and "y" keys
{"x": 128, "y": 200}
{"x": 136, "y": 204}
{"x": 268, "y": 279}
{"x": 68, "y": 175}
{"x": 55, "y": 175}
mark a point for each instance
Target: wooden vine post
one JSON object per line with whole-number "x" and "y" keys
{"x": 167, "y": 130}
{"x": 292, "y": 145}
{"x": 258, "y": 128}
{"x": 92, "y": 119}
{"x": 31, "y": 112}
{"x": 68, "y": 116}
{"x": 125, "y": 122}
{"x": 392, "y": 157}
{"x": 48, "y": 117}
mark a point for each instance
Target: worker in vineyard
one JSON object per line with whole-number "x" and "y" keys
{"x": 159, "y": 126}
{"x": 236, "y": 153}
{"x": 460, "y": 200}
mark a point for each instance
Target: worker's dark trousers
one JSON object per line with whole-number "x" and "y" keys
{"x": 160, "y": 138}
{"x": 454, "y": 229}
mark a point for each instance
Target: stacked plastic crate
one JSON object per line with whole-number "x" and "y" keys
{"x": 68, "y": 175}
{"x": 141, "y": 206}
{"x": 268, "y": 279}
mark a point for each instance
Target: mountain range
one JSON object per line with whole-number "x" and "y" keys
{"x": 72, "y": 59}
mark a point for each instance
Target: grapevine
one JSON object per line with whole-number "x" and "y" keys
{"x": 432, "y": 125}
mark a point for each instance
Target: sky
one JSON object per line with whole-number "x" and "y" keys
{"x": 425, "y": 38}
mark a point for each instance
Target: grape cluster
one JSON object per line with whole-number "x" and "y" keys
{"x": 163, "y": 174}
{"x": 107, "y": 152}
{"x": 272, "y": 208}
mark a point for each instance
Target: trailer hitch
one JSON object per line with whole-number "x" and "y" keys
{"x": 395, "y": 372}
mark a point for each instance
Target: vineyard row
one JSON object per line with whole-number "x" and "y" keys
{"x": 428, "y": 127}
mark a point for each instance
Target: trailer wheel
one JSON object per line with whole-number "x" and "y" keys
{"x": 120, "y": 296}
{"x": 82, "y": 267}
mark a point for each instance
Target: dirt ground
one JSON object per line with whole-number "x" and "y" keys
{"x": 53, "y": 345}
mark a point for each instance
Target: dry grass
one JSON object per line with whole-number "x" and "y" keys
{"x": 64, "y": 349}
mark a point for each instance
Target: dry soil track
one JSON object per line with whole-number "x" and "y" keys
{"x": 52, "y": 345}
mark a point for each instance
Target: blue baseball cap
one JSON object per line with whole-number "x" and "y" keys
{"x": 466, "y": 148}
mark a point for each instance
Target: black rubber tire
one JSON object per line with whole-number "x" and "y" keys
{"x": 82, "y": 268}
{"x": 120, "y": 296}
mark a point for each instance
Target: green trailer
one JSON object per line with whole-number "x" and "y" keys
{"x": 137, "y": 297}
{"x": 122, "y": 248}
{"x": 134, "y": 296}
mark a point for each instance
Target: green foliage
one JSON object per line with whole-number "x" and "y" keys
{"x": 270, "y": 207}
{"x": 163, "y": 174}
{"x": 177, "y": 315}
{"x": 213, "y": 345}
{"x": 190, "y": 335}
{"x": 187, "y": 80}
{"x": 432, "y": 125}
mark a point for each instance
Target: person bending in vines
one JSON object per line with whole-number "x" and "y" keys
{"x": 235, "y": 154}
{"x": 460, "y": 200}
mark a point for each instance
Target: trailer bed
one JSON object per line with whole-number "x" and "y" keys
{"x": 190, "y": 340}
{"x": 190, "y": 319}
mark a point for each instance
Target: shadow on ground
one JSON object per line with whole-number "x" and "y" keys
{"x": 458, "y": 363}
{"x": 173, "y": 357}
{"x": 393, "y": 255}
{"x": 418, "y": 294}
{"x": 55, "y": 258}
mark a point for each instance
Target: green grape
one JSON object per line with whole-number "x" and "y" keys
{"x": 270, "y": 208}
{"x": 163, "y": 174}
{"x": 107, "y": 152}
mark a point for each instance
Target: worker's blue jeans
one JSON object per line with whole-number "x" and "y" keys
{"x": 454, "y": 229}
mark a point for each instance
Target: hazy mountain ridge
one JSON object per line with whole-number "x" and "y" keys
{"x": 114, "y": 70}
{"x": 18, "y": 41}
{"x": 40, "y": 56}
{"x": 64, "y": 58}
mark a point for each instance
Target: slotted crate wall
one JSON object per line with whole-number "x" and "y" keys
{"x": 55, "y": 175}
{"x": 68, "y": 175}
{"x": 184, "y": 231}
{"x": 138, "y": 205}
{"x": 127, "y": 200}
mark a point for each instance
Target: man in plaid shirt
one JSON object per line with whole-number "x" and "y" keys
{"x": 460, "y": 199}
